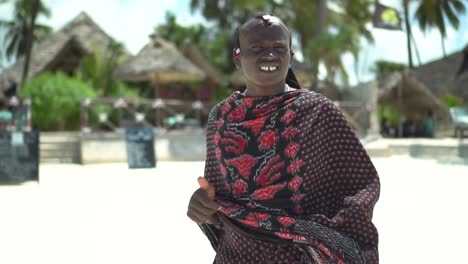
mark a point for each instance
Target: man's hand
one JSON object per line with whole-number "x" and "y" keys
{"x": 202, "y": 207}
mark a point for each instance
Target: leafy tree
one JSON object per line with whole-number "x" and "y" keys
{"x": 210, "y": 42}
{"x": 330, "y": 47}
{"x": 383, "y": 67}
{"x": 350, "y": 16}
{"x": 436, "y": 14}
{"x": 179, "y": 34}
{"x": 16, "y": 40}
{"x": 97, "y": 67}
{"x": 56, "y": 100}
{"x": 451, "y": 100}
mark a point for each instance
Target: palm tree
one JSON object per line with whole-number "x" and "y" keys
{"x": 30, "y": 38}
{"x": 16, "y": 37}
{"x": 309, "y": 19}
{"x": 435, "y": 13}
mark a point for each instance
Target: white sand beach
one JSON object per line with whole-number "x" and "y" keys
{"x": 99, "y": 214}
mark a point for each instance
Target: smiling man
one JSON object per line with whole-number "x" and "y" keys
{"x": 286, "y": 179}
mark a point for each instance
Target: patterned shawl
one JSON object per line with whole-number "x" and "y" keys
{"x": 289, "y": 166}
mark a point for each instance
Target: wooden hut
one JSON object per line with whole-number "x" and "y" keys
{"x": 213, "y": 79}
{"x": 409, "y": 96}
{"x": 62, "y": 50}
{"x": 160, "y": 63}
{"x": 448, "y": 75}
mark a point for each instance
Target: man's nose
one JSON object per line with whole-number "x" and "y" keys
{"x": 269, "y": 54}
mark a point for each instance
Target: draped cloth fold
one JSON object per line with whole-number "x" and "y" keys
{"x": 289, "y": 167}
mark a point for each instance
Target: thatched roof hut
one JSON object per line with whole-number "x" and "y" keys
{"x": 409, "y": 96}
{"x": 161, "y": 62}
{"x": 61, "y": 50}
{"x": 442, "y": 76}
{"x": 194, "y": 54}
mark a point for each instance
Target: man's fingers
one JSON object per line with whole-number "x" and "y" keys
{"x": 194, "y": 217}
{"x": 203, "y": 198}
{"x": 205, "y": 185}
{"x": 213, "y": 219}
{"x": 199, "y": 218}
{"x": 199, "y": 207}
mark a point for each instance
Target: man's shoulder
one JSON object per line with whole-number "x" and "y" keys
{"x": 313, "y": 99}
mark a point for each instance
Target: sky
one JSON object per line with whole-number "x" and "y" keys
{"x": 131, "y": 21}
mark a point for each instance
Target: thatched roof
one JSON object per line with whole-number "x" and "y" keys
{"x": 61, "y": 50}
{"x": 159, "y": 60}
{"x": 194, "y": 54}
{"x": 409, "y": 96}
{"x": 441, "y": 77}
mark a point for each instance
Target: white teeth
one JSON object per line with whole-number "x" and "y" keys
{"x": 266, "y": 68}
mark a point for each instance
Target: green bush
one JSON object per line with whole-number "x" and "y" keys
{"x": 55, "y": 99}
{"x": 392, "y": 116}
{"x": 452, "y": 101}
{"x": 383, "y": 67}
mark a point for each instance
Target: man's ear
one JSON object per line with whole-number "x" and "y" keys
{"x": 236, "y": 56}
{"x": 237, "y": 62}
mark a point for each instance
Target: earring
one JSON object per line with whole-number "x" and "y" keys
{"x": 237, "y": 53}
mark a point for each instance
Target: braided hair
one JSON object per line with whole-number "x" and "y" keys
{"x": 291, "y": 79}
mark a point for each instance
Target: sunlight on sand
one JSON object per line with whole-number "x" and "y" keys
{"x": 110, "y": 214}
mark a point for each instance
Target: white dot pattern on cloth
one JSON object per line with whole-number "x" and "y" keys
{"x": 337, "y": 186}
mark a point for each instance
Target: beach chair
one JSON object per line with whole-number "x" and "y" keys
{"x": 460, "y": 120}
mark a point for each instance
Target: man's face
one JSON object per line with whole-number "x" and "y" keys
{"x": 265, "y": 53}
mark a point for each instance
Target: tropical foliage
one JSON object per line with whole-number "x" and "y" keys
{"x": 343, "y": 24}
{"x": 451, "y": 100}
{"x": 210, "y": 41}
{"x": 15, "y": 41}
{"x": 56, "y": 100}
{"x": 436, "y": 13}
{"x": 383, "y": 67}
{"x": 97, "y": 67}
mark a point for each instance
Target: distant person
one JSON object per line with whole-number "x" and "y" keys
{"x": 385, "y": 127}
{"x": 5, "y": 115}
{"x": 286, "y": 179}
{"x": 429, "y": 124}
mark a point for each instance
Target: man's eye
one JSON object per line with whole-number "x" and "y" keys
{"x": 280, "y": 49}
{"x": 257, "y": 49}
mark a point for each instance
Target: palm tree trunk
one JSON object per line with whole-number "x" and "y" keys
{"x": 443, "y": 45}
{"x": 416, "y": 50}
{"x": 408, "y": 34}
{"x": 29, "y": 40}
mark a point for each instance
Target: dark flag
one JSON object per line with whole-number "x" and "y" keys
{"x": 386, "y": 17}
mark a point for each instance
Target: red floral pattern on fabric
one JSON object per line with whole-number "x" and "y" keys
{"x": 271, "y": 172}
{"x": 292, "y": 149}
{"x": 243, "y": 164}
{"x": 267, "y": 193}
{"x": 289, "y": 132}
{"x": 250, "y": 220}
{"x": 238, "y": 114}
{"x": 295, "y": 166}
{"x": 288, "y": 117}
{"x": 267, "y": 139}
{"x": 286, "y": 221}
{"x": 295, "y": 183}
{"x": 258, "y": 150}
{"x": 255, "y": 124}
{"x": 240, "y": 187}
{"x": 233, "y": 143}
